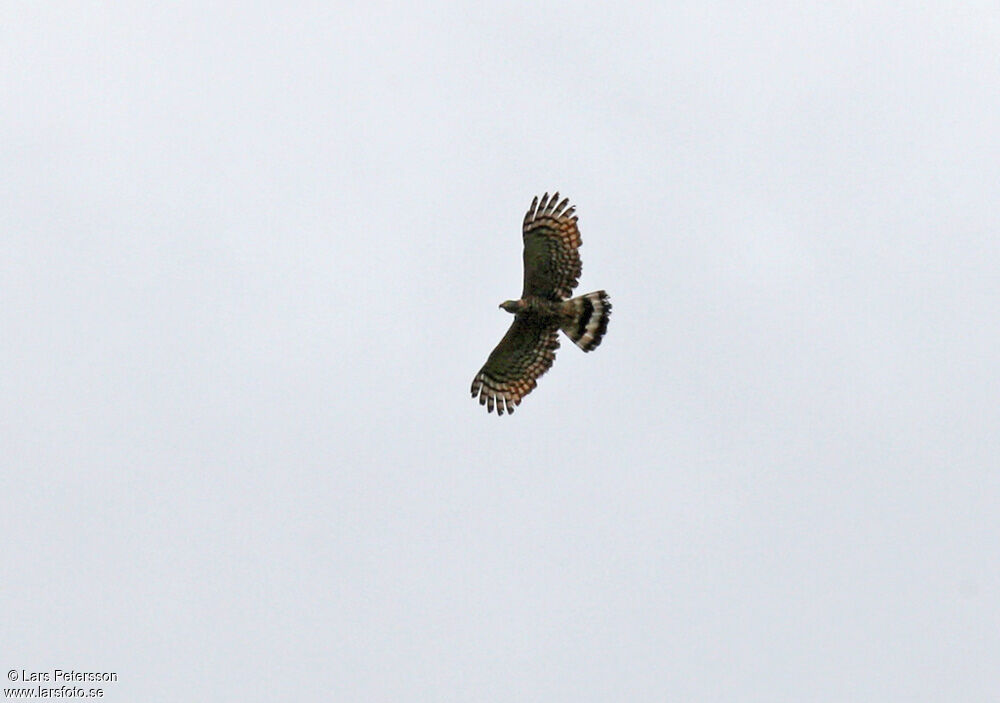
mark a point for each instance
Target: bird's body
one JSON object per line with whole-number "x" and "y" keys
{"x": 551, "y": 268}
{"x": 533, "y": 305}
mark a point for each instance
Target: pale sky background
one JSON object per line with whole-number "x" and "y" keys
{"x": 250, "y": 260}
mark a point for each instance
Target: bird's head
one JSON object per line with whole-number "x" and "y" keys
{"x": 510, "y": 305}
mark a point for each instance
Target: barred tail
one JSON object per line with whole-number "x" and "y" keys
{"x": 589, "y": 319}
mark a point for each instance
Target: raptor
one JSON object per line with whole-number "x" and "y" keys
{"x": 552, "y": 269}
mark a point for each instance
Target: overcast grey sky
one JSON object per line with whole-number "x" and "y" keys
{"x": 250, "y": 260}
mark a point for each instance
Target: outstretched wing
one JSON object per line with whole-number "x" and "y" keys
{"x": 525, "y": 353}
{"x": 552, "y": 264}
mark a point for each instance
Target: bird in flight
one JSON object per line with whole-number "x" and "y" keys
{"x": 551, "y": 269}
